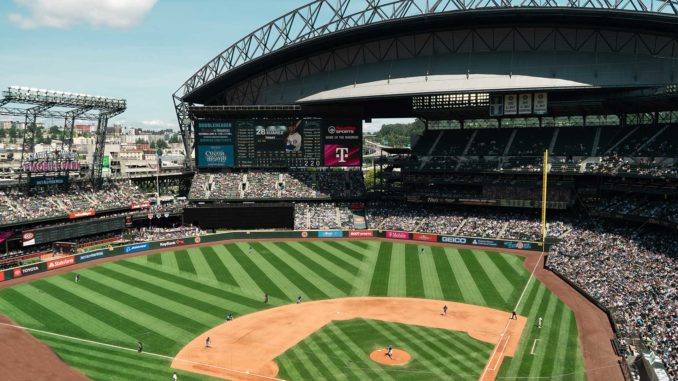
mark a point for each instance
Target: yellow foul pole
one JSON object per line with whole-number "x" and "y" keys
{"x": 545, "y": 171}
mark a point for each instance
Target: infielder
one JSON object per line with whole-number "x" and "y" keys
{"x": 208, "y": 341}
{"x": 445, "y": 309}
{"x": 539, "y": 322}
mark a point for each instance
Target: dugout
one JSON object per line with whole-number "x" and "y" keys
{"x": 241, "y": 216}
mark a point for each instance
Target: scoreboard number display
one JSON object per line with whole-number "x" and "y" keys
{"x": 270, "y": 143}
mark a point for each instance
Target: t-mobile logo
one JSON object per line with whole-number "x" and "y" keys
{"x": 341, "y": 153}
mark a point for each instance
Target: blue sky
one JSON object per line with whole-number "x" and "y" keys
{"x": 140, "y": 51}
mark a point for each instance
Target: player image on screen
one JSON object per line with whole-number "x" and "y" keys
{"x": 293, "y": 140}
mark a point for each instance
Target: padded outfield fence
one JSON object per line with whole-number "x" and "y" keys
{"x": 496, "y": 244}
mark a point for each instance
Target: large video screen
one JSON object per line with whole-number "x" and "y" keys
{"x": 264, "y": 143}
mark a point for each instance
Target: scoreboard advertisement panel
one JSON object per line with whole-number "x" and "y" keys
{"x": 264, "y": 143}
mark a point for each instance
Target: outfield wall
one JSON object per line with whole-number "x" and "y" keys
{"x": 172, "y": 244}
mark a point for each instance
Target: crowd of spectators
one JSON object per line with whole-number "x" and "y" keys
{"x": 322, "y": 216}
{"x": 41, "y": 203}
{"x": 259, "y": 184}
{"x": 637, "y": 206}
{"x": 633, "y": 274}
{"x": 153, "y": 233}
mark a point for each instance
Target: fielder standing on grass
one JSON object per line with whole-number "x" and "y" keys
{"x": 539, "y": 322}
{"x": 140, "y": 347}
{"x": 174, "y": 376}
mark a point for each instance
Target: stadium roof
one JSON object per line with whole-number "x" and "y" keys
{"x": 322, "y": 18}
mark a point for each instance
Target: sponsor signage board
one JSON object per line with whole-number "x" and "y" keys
{"x": 2, "y": 276}
{"x": 136, "y": 248}
{"x": 48, "y": 180}
{"x": 139, "y": 205}
{"x": 484, "y": 242}
{"x": 81, "y": 214}
{"x": 215, "y": 156}
{"x": 330, "y": 234}
{"x": 91, "y": 256}
{"x": 61, "y": 262}
{"x": 425, "y": 237}
{"x": 28, "y": 238}
{"x": 21, "y": 271}
{"x": 361, "y": 233}
{"x": 397, "y": 235}
{"x": 450, "y": 239}
{"x": 518, "y": 245}
{"x": 171, "y": 243}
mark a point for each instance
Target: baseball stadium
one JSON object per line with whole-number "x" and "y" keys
{"x": 525, "y": 232}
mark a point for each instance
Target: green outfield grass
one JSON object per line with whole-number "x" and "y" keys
{"x": 338, "y": 352}
{"x": 167, "y": 299}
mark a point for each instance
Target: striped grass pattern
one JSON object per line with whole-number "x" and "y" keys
{"x": 340, "y": 351}
{"x": 167, "y": 299}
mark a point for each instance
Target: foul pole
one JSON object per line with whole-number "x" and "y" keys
{"x": 545, "y": 171}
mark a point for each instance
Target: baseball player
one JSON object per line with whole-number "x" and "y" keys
{"x": 265, "y": 297}
{"x": 389, "y": 353}
{"x": 299, "y": 299}
{"x": 514, "y": 316}
{"x": 77, "y": 278}
{"x": 174, "y": 376}
{"x": 229, "y": 317}
{"x": 140, "y": 347}
{"x": 208, "y": 341}
{"x": 445, "y": 309}
{"x": 539, "y": 322}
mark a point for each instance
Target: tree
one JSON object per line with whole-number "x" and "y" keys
{"x": 399, "y": 134}
{"x": 174, "y": 138}
{"x": 13, "y": 132}
{"x": 54, "y": 132}
{"x": 3, "y": 134}
{"x": 140, "y": 141}
{"x": 152, "y": 144}
{"x": 161, "y": 143}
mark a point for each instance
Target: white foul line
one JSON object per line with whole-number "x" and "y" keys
{"x": 135, "y": 350}
{"x": 482, "y": 376}
{"x": 533, "y": 344}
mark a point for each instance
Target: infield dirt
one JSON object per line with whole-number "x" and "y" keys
{"x": 244, "y": 349}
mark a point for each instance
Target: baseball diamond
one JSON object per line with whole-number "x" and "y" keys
{"x": 168, "y": 299}
{"x": 354, "y": 190}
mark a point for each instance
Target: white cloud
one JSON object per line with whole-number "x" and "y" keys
{"x": 117, "y": 14}
{"x": 160, "y": 124}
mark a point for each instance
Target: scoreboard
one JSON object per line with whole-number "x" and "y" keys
{"x": 266, "y": 143}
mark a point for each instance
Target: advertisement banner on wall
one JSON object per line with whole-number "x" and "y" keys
{"x": 28, "y": 238}
{"x": 330, "y": 234}
{"x": 215, "y": 156}
{"x": 361, "y": 233}
{"x": 425, "y": 237}
{"x": 62, "y": 262}
{"x": 2, "y": 276}
{"x": 397, "y": 235}
{"x": 136, "y": 248}
{"x": 91, "y": 256}
{"x": 485, "y": 242}
{"x": 450, "y": 239}
{"x": 81, "y": 214}
{"x": 19, "y": 272}
{"x": 518, "y": 245}
{"x": 139, "y": 205}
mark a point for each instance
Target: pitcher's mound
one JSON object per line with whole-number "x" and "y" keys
{"x": 399, "y": 357}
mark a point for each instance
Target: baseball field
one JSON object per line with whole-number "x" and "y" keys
{"x": 170, "y": 301}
